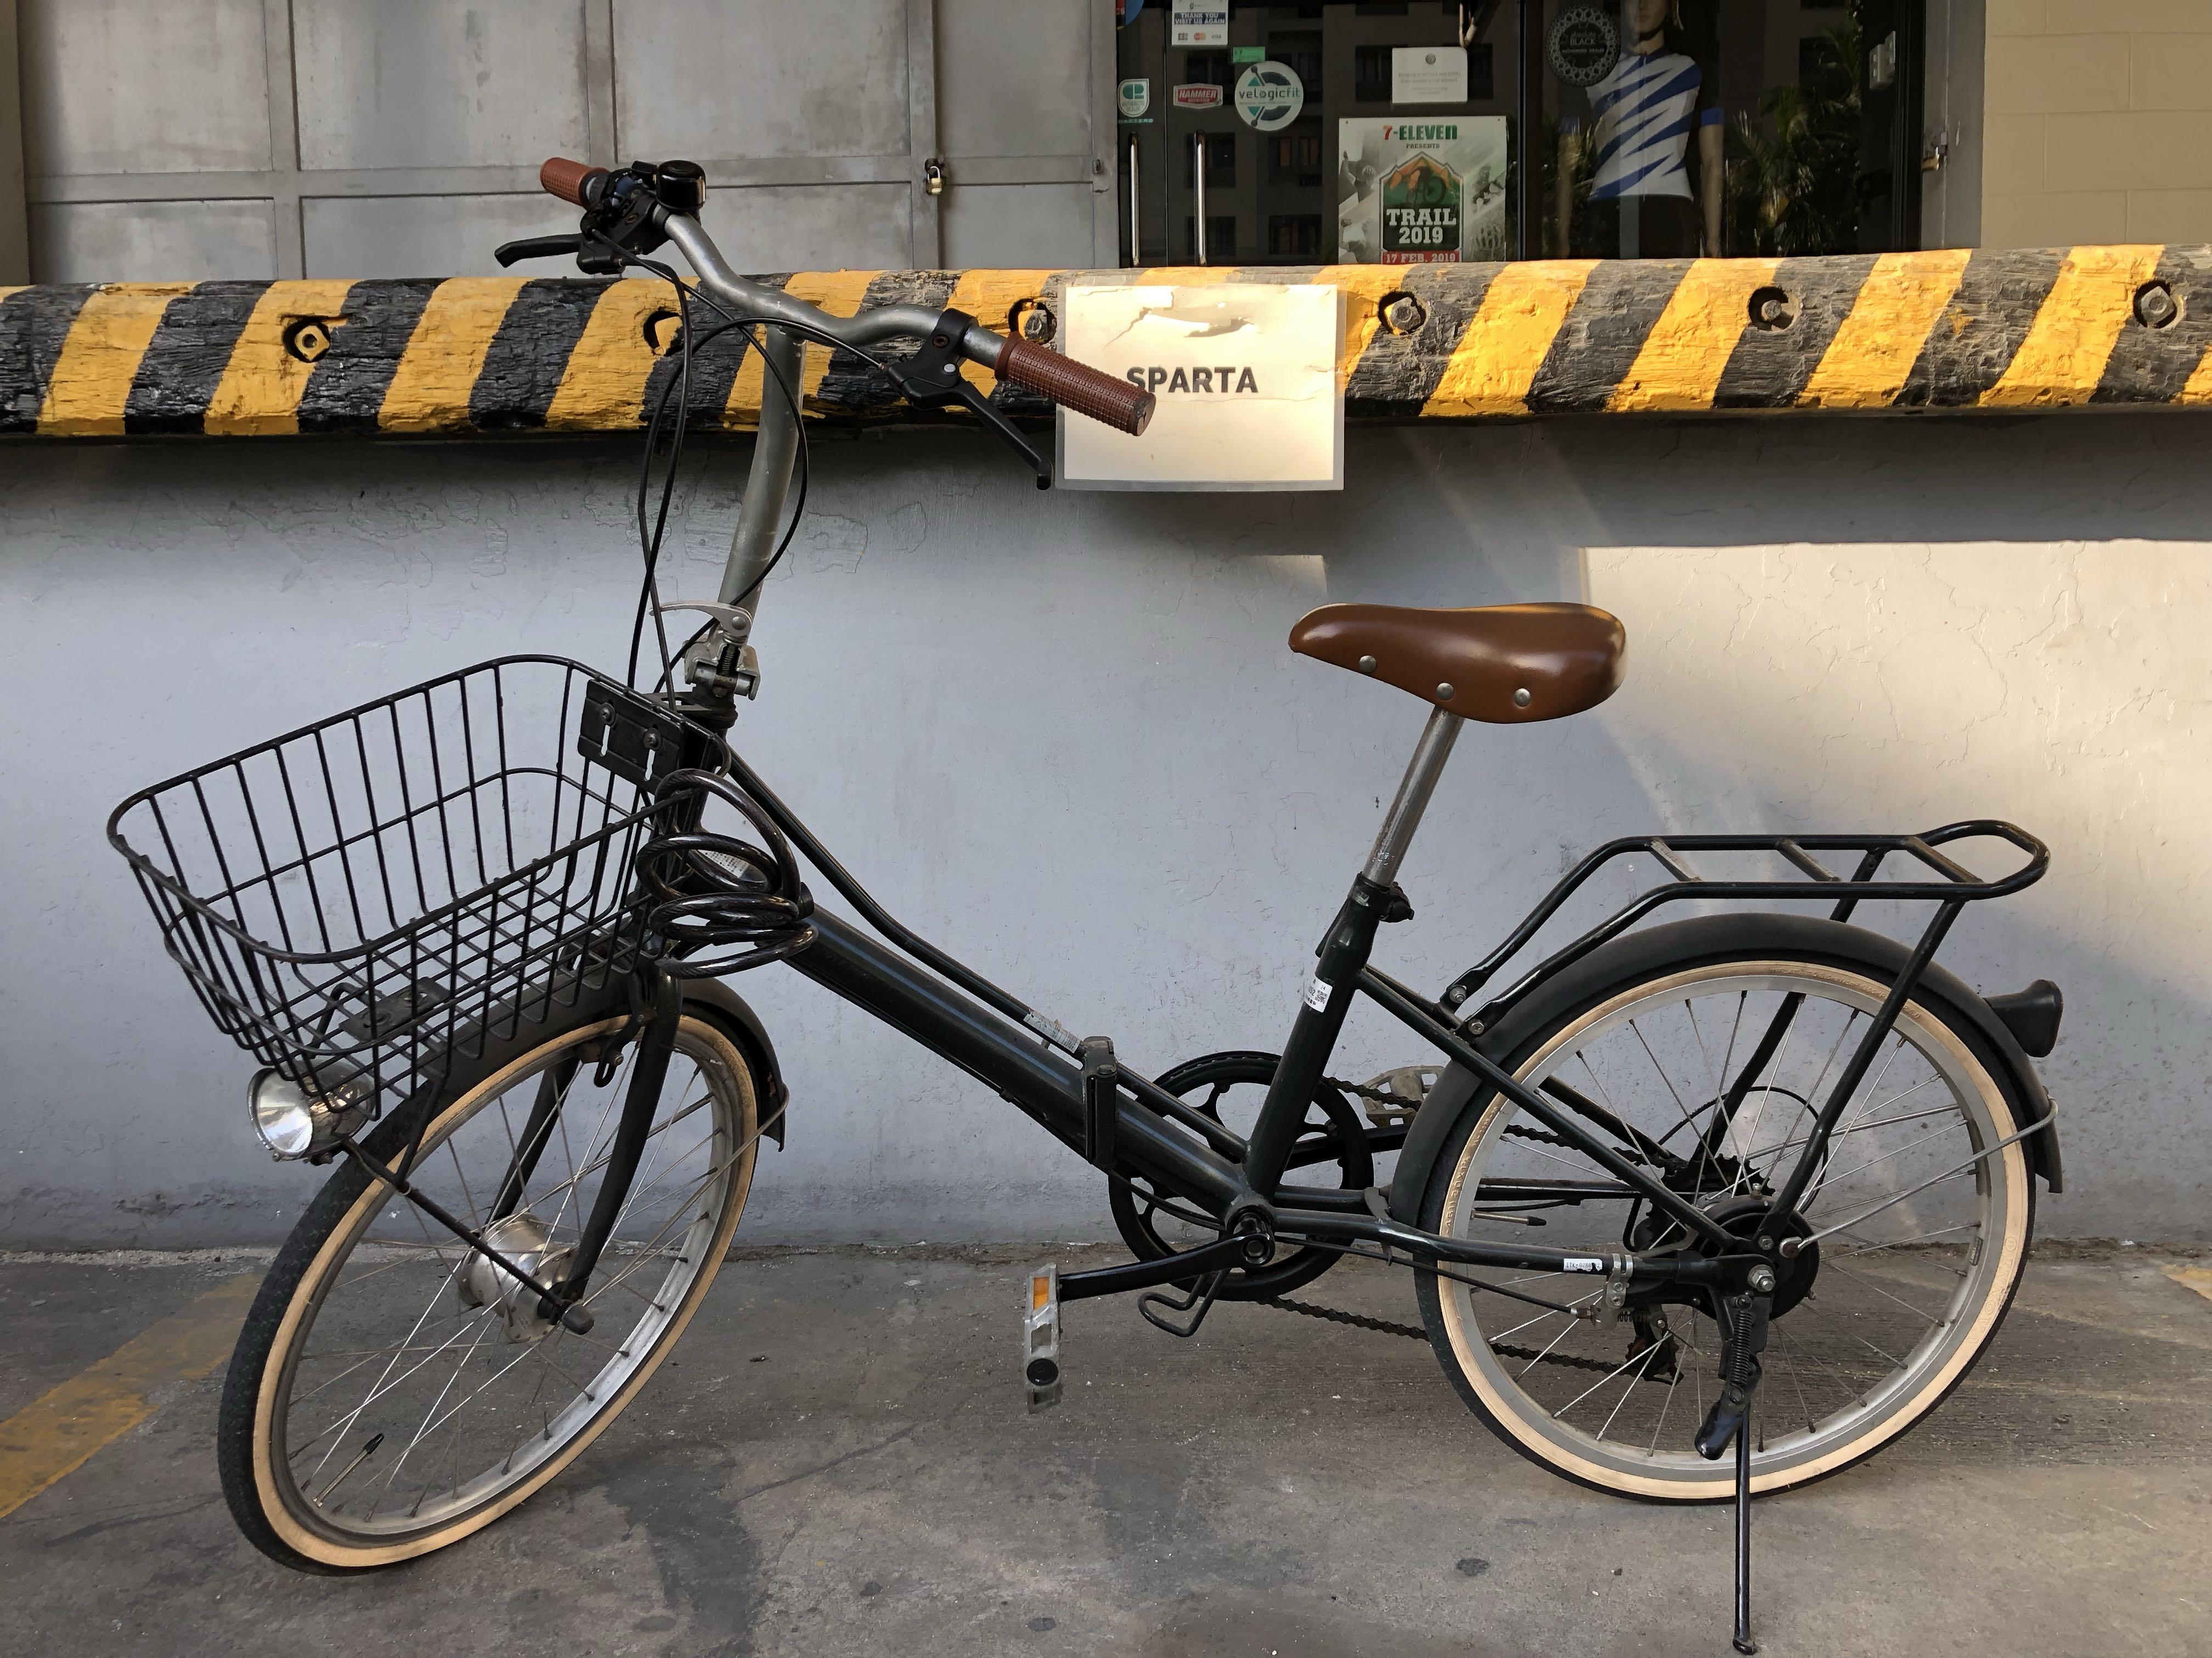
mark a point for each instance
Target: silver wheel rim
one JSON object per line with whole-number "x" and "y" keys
{"x": 467, "y": 1412}
{"x": 1616, "y": 1422}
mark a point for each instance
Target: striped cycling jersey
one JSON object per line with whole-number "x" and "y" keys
{"x": 1646, "y": 108}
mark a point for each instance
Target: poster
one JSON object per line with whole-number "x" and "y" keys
{"x": 1199, "y": 26}
{"x": 1245, "y": 380}
{"x": 1428, "y": 75}
{"x": 1420, "y": 191}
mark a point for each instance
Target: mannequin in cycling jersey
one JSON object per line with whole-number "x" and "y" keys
{"x": 1645, "y": 114}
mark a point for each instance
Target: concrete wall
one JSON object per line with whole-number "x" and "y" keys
{"x": 174, "y": 139}
{"x": 2098, "y": 123}
{"x": 1060, "y": 734}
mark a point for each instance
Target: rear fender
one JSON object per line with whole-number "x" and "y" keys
{"x": 1692, "y": 943}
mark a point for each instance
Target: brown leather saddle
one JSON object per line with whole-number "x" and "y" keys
{"x": 1505, "y": 664}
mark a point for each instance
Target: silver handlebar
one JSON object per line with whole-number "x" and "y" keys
{"x": 753, "y": 542}
{"x": 874, "y": 327}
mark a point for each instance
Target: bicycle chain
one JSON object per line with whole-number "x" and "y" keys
{"x": 1414, "y": 1331}
{"x": 1512, "y": 1128}
{"x": 1384, "y": 1326}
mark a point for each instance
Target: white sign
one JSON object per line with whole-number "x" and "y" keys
{"x": 1269, "y": 96}
{"x": 1428, "y": 75}
{"x": 1245, "y": 375}
{"x": 1199, "y": 26}
{"x": 1135, "y": 98}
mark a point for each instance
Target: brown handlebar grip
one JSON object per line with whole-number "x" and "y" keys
{"x": 1076, "y": 385}
{"x": 565, "y": 179}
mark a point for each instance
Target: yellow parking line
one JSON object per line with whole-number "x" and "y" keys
{"x": 2198, "y": 1278}
{"x": 55, "y": 1435}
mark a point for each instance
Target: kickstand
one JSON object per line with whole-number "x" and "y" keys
{"x": 1744, "y": 1643}
{"x": 1743, "y": 1321}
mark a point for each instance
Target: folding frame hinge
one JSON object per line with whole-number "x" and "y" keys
{"x": 1102, "y": 1105}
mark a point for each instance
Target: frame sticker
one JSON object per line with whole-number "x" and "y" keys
{"x": 1317, "y": 995}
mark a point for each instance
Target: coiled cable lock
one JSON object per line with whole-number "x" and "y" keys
{"x": 718, "y": 890}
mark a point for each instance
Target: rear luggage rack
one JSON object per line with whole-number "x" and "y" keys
{"x": 1949, "y": 884}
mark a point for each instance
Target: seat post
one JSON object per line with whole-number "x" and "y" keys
{"x": 1412, "y": 797}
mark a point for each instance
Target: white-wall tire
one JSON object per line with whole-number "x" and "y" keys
{"x": 339, "y": 1245}
{"x": 1519, "y": 1401}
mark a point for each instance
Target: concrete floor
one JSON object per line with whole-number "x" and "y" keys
{"x": 837, "y": 1461}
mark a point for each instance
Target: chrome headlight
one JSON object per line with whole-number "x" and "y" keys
{"x": 293, "y": 1124}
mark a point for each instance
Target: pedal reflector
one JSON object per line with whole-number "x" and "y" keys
{"x": 1041, "y": 1340}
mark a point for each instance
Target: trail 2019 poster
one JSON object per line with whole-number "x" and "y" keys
{"x": 1429, "y": 189}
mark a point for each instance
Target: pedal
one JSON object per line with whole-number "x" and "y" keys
{"x": 1392, "y": 1099}
{"x": 1041, "y": 1340}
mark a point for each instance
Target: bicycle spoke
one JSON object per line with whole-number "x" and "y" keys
{"x": 1841, "y": 1343}
{"x": 1645, "y": 1356}
{"x": 404, "y": 1356}
{"x": 1861, "y": 1278}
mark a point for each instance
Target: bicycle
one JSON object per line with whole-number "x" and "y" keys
{"x": 477, "y": 933}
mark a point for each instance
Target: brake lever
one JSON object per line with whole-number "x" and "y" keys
{"x": 932, "y": 377}
{"x": 537, "y": 248}
{"x": 1007, "y": 430}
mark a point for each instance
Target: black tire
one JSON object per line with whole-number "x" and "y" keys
{"x": 267, "y": 1507}
{"x": 1650, "y": 970}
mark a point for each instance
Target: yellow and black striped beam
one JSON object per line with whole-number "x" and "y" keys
{"x": 1946, "y": 331}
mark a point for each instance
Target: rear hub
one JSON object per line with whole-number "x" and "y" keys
{"x": 1751, "y": 1221}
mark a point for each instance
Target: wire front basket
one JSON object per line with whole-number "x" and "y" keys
{"x": 372, "y": 901}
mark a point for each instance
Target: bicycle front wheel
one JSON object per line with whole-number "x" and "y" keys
{"x": 392, "y": 1391}
{"x": 1709, "y": 1074}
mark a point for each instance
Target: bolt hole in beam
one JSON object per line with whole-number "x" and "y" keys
{"x": 2156, "y": 305}
{"x": 1772, "y": 308}
{"x": 1401, "y": 314}
{"x": 307, "y": 338}
{"x": 661, "y": 328}
{"x": 1033, "y": 321}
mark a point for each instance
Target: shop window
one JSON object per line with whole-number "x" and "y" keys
{"x": 1220, "y": 161}
{"x": 1205, "y": 69}
{"x": 1816, "y": 54}
{"x": 1294, "y": 236}
{"x": 1295, "y": 158}
{"x": 1220, "y": 239}
{"x": 1428, "y": 132}
{"x": 1370, "y": 75}
{"x": 1302, "y": 52}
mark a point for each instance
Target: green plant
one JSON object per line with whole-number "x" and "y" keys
{"x": 1792, "y": 175}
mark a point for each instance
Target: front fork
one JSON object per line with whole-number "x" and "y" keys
{"x": 648, "y": 1074}
{"x": 563, "y": 1302}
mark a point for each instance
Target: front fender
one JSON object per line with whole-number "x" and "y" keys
{"x": 731, "y": 1010}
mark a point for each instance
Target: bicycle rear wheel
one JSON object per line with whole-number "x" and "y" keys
{"x": 1713, "y": 1066}
{"x": 393, "y": 1391}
